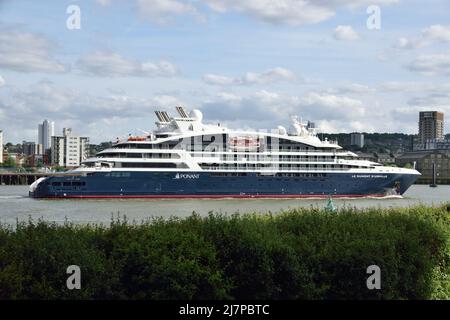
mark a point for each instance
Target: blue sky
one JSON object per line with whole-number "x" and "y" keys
{"x": 246, "y": 64}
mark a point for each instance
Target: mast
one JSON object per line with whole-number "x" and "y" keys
{"x": 434, "y": 184}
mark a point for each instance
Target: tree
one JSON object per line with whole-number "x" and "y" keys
{"x": 59, "y": 168}
{"x": 9, "y": 162}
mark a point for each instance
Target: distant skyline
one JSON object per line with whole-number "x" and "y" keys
{"x": 46, "y": 130}
{"x": 245, "y": 64}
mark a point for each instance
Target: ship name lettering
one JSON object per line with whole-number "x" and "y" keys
{"x": 187, "y": 176}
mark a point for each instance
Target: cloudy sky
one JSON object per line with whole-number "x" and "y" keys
{"x": 244, "y": 63}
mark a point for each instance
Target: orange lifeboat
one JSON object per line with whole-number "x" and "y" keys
{"x": 244, "y": 142}
{"x": 136, "y": 139}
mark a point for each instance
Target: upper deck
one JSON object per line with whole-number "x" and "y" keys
{"x": 186, "y": 143}
{"x": 175, "y": 129}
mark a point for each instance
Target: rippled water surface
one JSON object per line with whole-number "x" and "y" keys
{"x": 15, "y": 204}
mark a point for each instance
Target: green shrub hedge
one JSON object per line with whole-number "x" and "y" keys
{"x": 299, "y": 254}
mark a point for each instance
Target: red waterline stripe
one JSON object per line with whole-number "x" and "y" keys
{"x": 237, "y": 196}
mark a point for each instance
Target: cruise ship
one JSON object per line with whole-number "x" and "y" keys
{"x": 186, "y": 158}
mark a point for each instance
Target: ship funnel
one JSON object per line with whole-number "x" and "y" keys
{"x": 182, "y": 112}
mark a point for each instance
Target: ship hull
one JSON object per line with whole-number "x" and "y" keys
{"x": 222, "y": 185}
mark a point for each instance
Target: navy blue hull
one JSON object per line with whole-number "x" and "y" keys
{"x": 218, "y": 185}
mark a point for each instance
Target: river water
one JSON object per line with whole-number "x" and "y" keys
{"x": 15, "y": 205}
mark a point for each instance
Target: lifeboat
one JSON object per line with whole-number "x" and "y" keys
{"x": 136, "y": 138}
{"x": 244, "y": 142}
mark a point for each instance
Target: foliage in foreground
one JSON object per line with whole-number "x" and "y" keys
{"x": 300, "y": 254}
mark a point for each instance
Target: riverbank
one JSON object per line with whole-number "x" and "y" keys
{"x": 297, "y": 254}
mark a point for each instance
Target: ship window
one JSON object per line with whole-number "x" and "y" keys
{"x": 55, "y": 184}
{"x": 149, "y": 165}
{"x": 134, "y": 155}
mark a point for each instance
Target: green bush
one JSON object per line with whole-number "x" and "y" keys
{"x": 298, "y": 254}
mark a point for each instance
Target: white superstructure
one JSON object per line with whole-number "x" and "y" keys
{"x": 185, "y": 143}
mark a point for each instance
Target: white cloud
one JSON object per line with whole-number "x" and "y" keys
{"x": 333, "y": 106}
{"x": 429, "y": 36}
{"x": 109, "y": 64}
{"x": 112, "y": 115}
{"x": 337, "y": 126}
{"x": 290, "y": 12}
{"x": 431, "y": 64}
{"x": 250, "y": 78}
{"x": 231, "y": 98}
{"x": 2, "y": 81}
{"x": 272, "y": 75}
{"x": 27, "y": 52}
{"x": 400, "y": 86}
{"x": 219, "y": 80}
{"x": 437, "y": 33}
{"x": 345, "y": 33}
{"x": 357, "y": 88}
{"x": 408, "y": 44}
{"x": 103, "y": 2}
{"x": 266, "y": 109}
{"x": 352, "y": 88}
{"x": 163, "y": 11}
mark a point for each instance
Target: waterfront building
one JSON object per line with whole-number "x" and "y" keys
{"x": 46, "y": 131}
{"x": 433, "y": 144}
{"x": 366, "y": 156}
{"x": 385, "y": 158}
{"x": 311, "y": 125}
{"x": 32, "y": 148}
{"x": 37, "y": 160}
{"x": 16, "y": 158}
{"x": 423, "y": 161}
{"x": 1, "y": 146}
{"x": 69, "y": 150}
{"x": 431, "y": 126}
{"x": 357, "y": 139}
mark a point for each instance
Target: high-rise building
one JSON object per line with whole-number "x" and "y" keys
{"x": 69, "y": 150}
{"x": 311, "y": 125}
{"x": 357, "y": 139}
{"x": 46, "y": 131}
{"x": 1, "y": 146}
{"x": 32, "y": 148}
{"x": 431, "y": 126}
